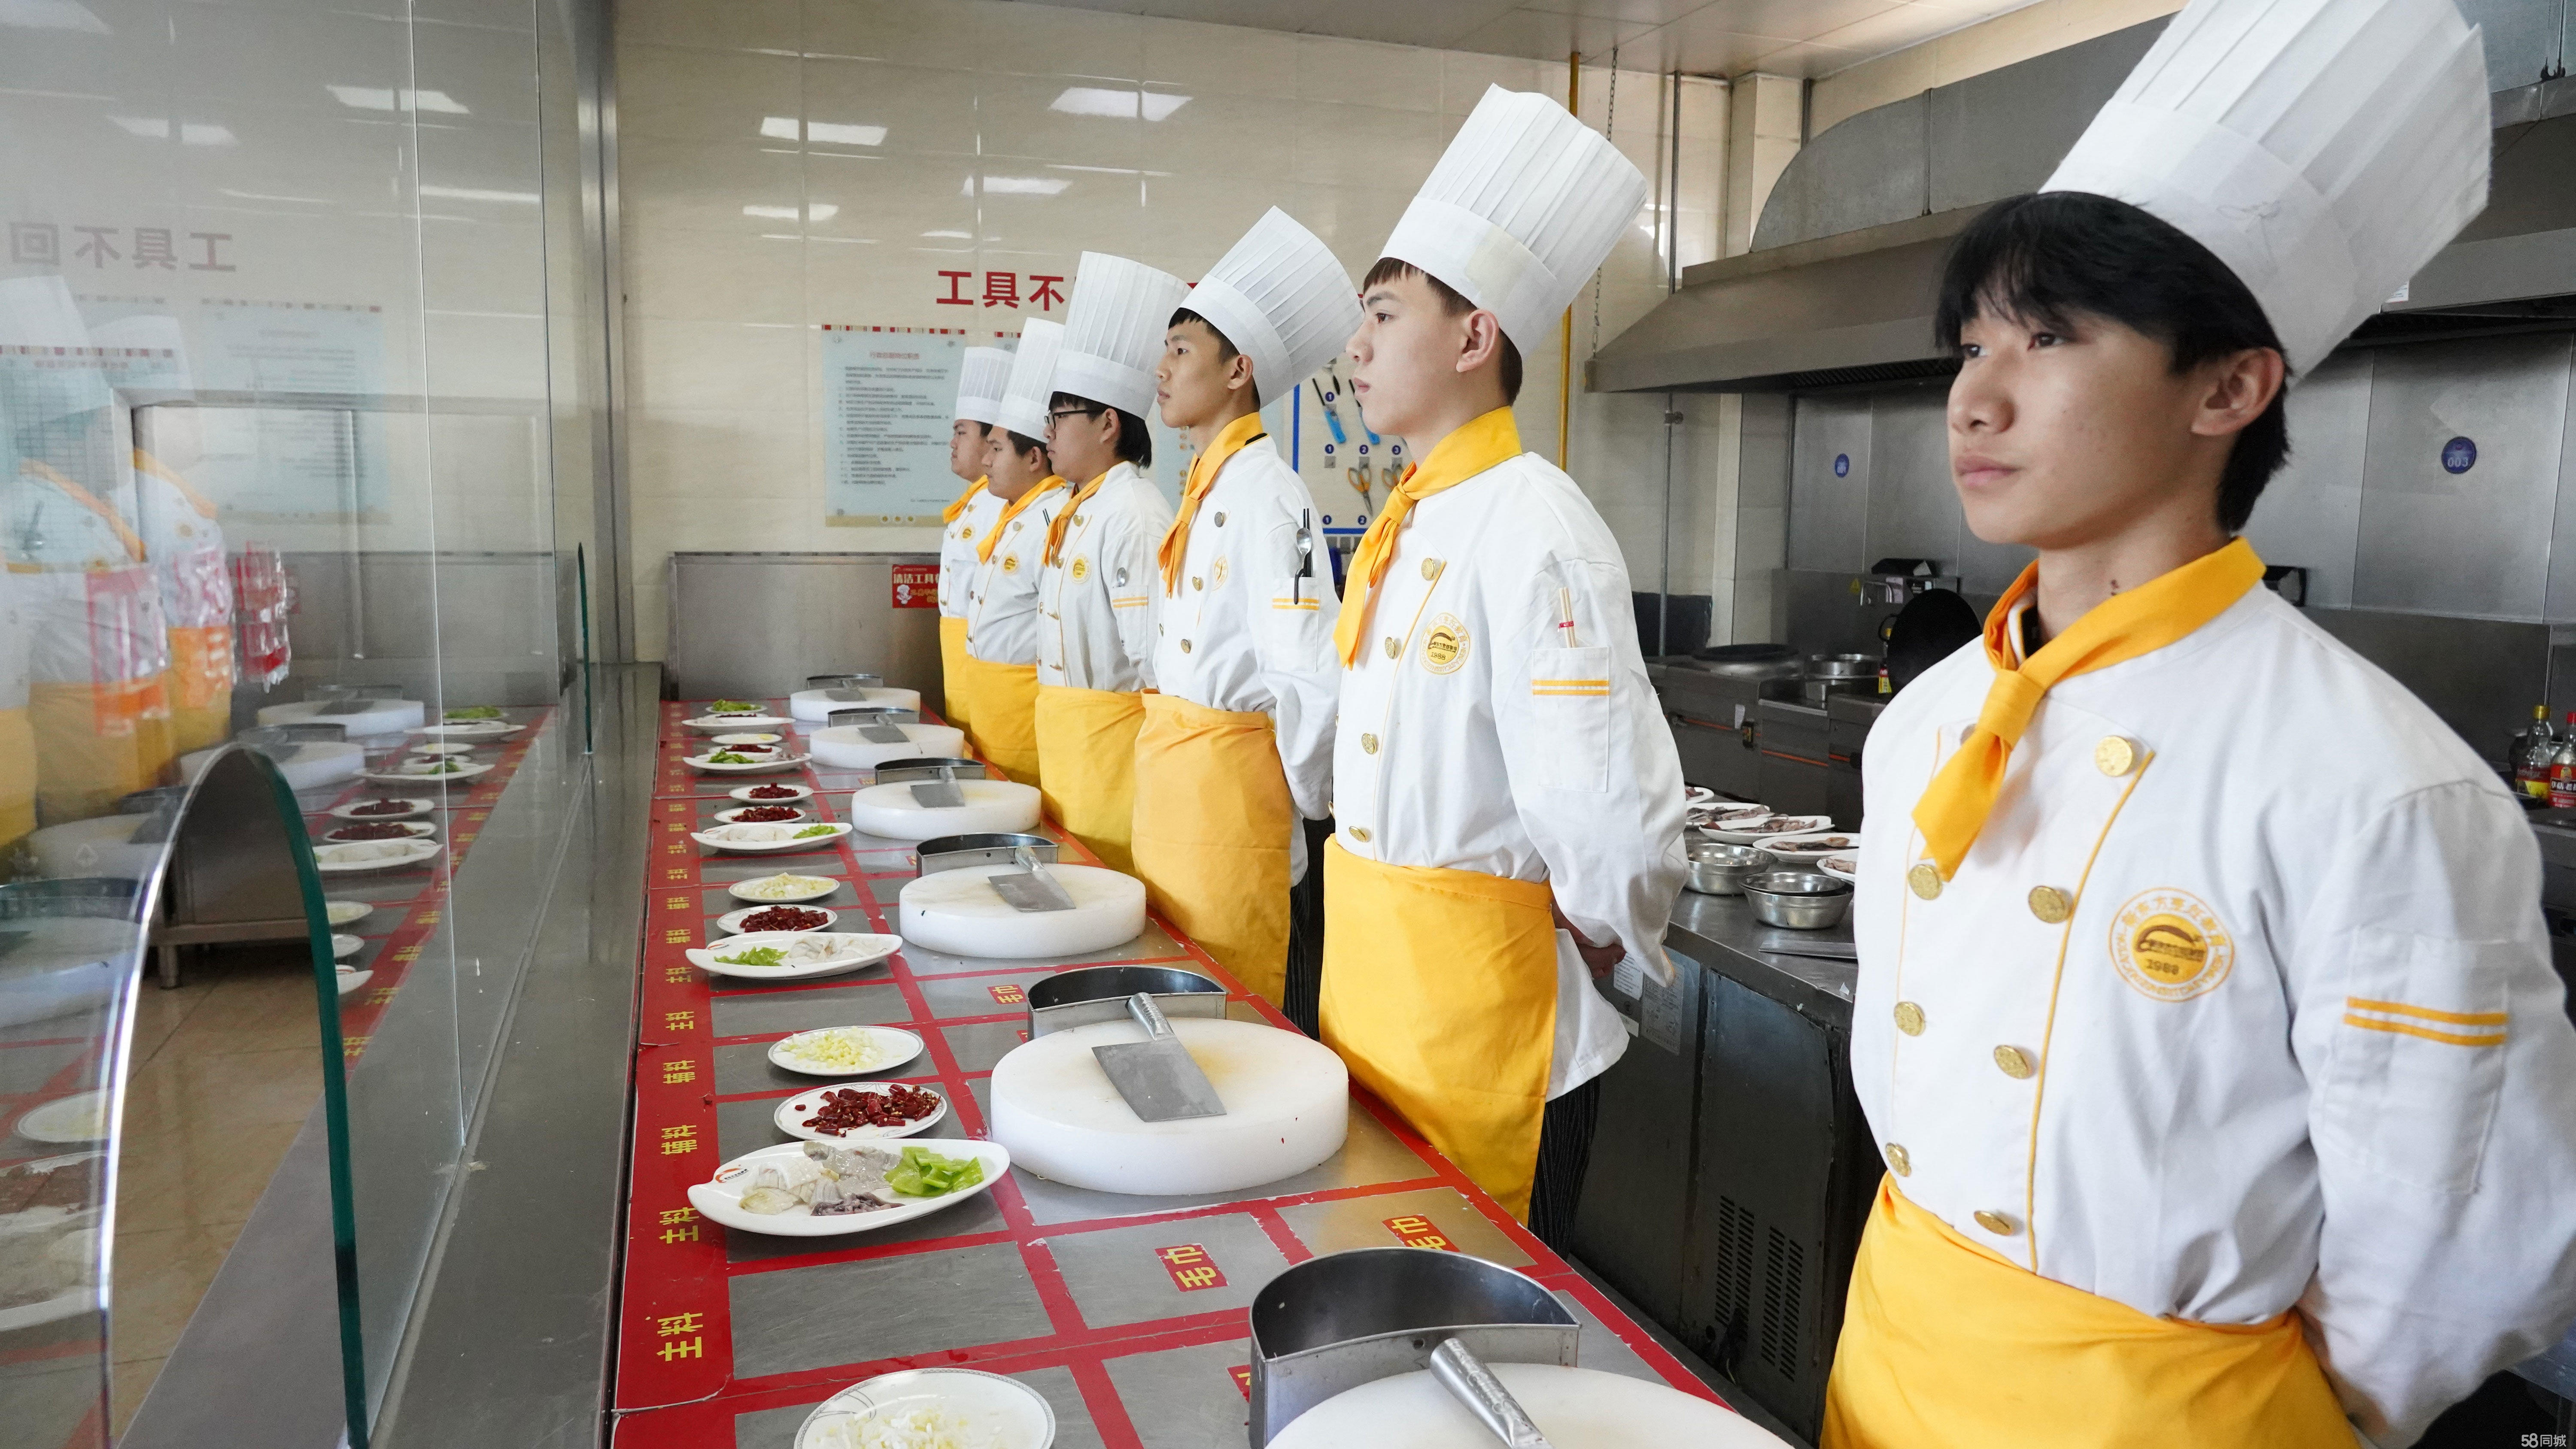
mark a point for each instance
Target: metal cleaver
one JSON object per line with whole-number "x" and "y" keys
{"x": 1029, "y": 888}
{"x": 1157, "y": 1076}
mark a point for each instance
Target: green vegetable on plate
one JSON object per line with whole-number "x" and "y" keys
{"x": 728, "y": 757}
{"x": 756, "y": 956}
{"x": 476, "y": 711}
{"x": 811, "y": 830}
{"x": 924, "y": 1173}
{"x": 732, "y": 706}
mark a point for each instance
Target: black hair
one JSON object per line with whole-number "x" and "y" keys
{"x": 1225, "y": 348}
{"x": 2052, "y": 258}
{"x": 1135, "y": 440}
{"x": 982, "y": 429}
{"x": 1455, "y": 304}
{"x": 1022, "y": 443}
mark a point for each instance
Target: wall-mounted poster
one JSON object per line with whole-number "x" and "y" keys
{"x": 889, "y": 396}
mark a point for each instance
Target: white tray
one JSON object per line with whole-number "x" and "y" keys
{"x": 1004, "y": 1412}
{"x": 705, "y": 764}
{"x": 350, "y": 810}
{"x": 415, "y": 829}
{"x": 743, "y": 793}
{"x": 865, "y": 950}
{"x": 830, "y": 884}
{"x": 791, "y": 1114}
{"x": 722, "y": 837}
{"x": 328, "y": 858}
{"x": 731, "y": 921}
{"x": 901, "y": 1047}
{"x": 465, "y": 770}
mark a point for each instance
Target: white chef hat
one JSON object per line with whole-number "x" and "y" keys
{"x": 2323, "y": 149}
{"x": 1523, "y": 207}
{"x": 1281, "y": 299}
{"x": 980, "y": 381}
{"x": 1033, "y": 379}
{"x": 1113, "y": 331}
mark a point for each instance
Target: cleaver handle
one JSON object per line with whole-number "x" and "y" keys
{"x": 1150, "y": 1016}
{"x": 1468, "y": 1380}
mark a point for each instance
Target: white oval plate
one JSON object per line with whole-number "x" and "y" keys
{"x": 347, "y": 913}
{"x": 720, "y": 838}
{"x": 736, "y": 890}
{"x": 716, "y": 724}
{"x": 735, "y": 814}
{"x": 416, "y": 829}
{"x": 1800, "y": 858}
{"x": 344, "y": 947}
{"x": 352, "y": 980}
{"x": 80, "y": 1117}
{"x": 350, "y": 811}
{"x": 892, "y": 1038}
{"x": 743, "y": 793}
{"x": 731, "y": 921}
{"x": 331, "y": 859}
{"x": 1004, "y": 1413}
{"x": 465, "y": 770}
{"x": 1796, "y": 825}
{"x": 472, "y": 729}
{"x": 437, "y": 748}
{"x": 1846, "y": 866}
{"x": 737, "y": 741}
{"x": 706, "y": 764}
{"x": 862, "y": 950}
{"x": 720, "y": 1199}
{"x": 791, "y": 1115}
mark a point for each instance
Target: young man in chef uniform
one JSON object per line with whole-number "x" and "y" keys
{"x": 1236, "y": 754}
{"x": 1095, "y": 633}
{"x": 1502, "y": 772}
{"x": 1001, "y": 657}
{"x": 2205, "y": 1015}
{"x": 980, "y": 380}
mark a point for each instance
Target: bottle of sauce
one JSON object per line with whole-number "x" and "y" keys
{"x": 2562, "y": 771}
{"x": 2535, "y": 751}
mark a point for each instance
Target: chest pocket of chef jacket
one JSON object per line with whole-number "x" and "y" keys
{"x": 1570, "y": 717}
{"x": 1292, "y": 634}
{"x": 2419, "y": 1056}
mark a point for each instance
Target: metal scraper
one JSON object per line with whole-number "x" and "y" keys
{"x": 1157, "y": 1076}
{"x": 1029, "y": 888}
{"x": 939, "y": 794}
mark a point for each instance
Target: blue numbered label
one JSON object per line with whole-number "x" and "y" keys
{"x": 1842, "y": 465}
{"x": 2459, "y": 455}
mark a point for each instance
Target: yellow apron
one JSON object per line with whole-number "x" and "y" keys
{"x": 1946, "y": 1346}
{"x": 1440, "y": 995}
{"x": 1003, "y": 698}
{"x": 1211, "y": 830}
{"x": 952, "y": 670}
{"x": 1087, "y": 759}
{"x": 17, "y": 775}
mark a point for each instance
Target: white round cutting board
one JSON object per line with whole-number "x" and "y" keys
{"x": 1287, "y": 1107}
{"x": 380, "y": 717}
{"x": 991, "y": 806}
{"x": 813, "y": 706}
{"x": 1576, "y": 1408}
{"x": 841, "y": 748}
{"x": 958, "y": 912}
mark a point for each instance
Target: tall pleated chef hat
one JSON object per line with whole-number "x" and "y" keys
{"x": 1033, "y": 379}
{"x": 980, "y": 382}
{"x": 1113, "y": 331}
{"x": 1281, "y": 299}
{"x": 1522, "y": 209}
{"x": 2323, "y": 149}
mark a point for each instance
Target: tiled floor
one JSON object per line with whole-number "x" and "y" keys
{"x": 226, "y": 1068}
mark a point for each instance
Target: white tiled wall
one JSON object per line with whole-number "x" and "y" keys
{"x": 760, "y": 202}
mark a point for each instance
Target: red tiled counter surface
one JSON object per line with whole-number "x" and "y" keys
{"x": 1127, "y": 1313}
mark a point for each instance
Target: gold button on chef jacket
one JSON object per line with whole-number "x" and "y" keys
{"x": 1259, "y": 637}
{"x": 1097, "y": 597}
{"x": 1002, "y": 616}
{"x": 957, "y": 561}
{"x": 2298, "y": 1040}
{"x": 1519, "y": 756}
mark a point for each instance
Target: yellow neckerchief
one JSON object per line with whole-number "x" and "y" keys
{"x": 1229, "y": 440}
{"x": 1462, "y": 455}
{"x": 1064, "y": 517}
{"x": 1011, "y": 510}
{"x": 133, "y": 541}
{"x": 1954, "y": 807}
{"x": 145, "y": 463}
{"x": 951, "y": 513}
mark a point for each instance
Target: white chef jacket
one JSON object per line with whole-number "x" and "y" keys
{"x": 1002, "y": 598}
{"x": 1257, "y": 617}
{"x": 2298, "y": 1042}
{"x": 957, "y": 561}
{"x": 1097, "y": 597}
{"x": 1483, "y": 741}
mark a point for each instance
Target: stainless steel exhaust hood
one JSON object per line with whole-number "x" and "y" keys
{"x": 1847, "y": 257}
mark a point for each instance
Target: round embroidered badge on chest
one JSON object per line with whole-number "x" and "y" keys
{"x": 1081, "y": 569}
{"x": 1010, "y": 563}
{"x": 1445, "y": 647}
{"x": 2170, "y": 946}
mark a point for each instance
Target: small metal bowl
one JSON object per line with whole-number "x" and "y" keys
{"x": 1800, "y": 900}
{"x": 1719, "y": 870}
